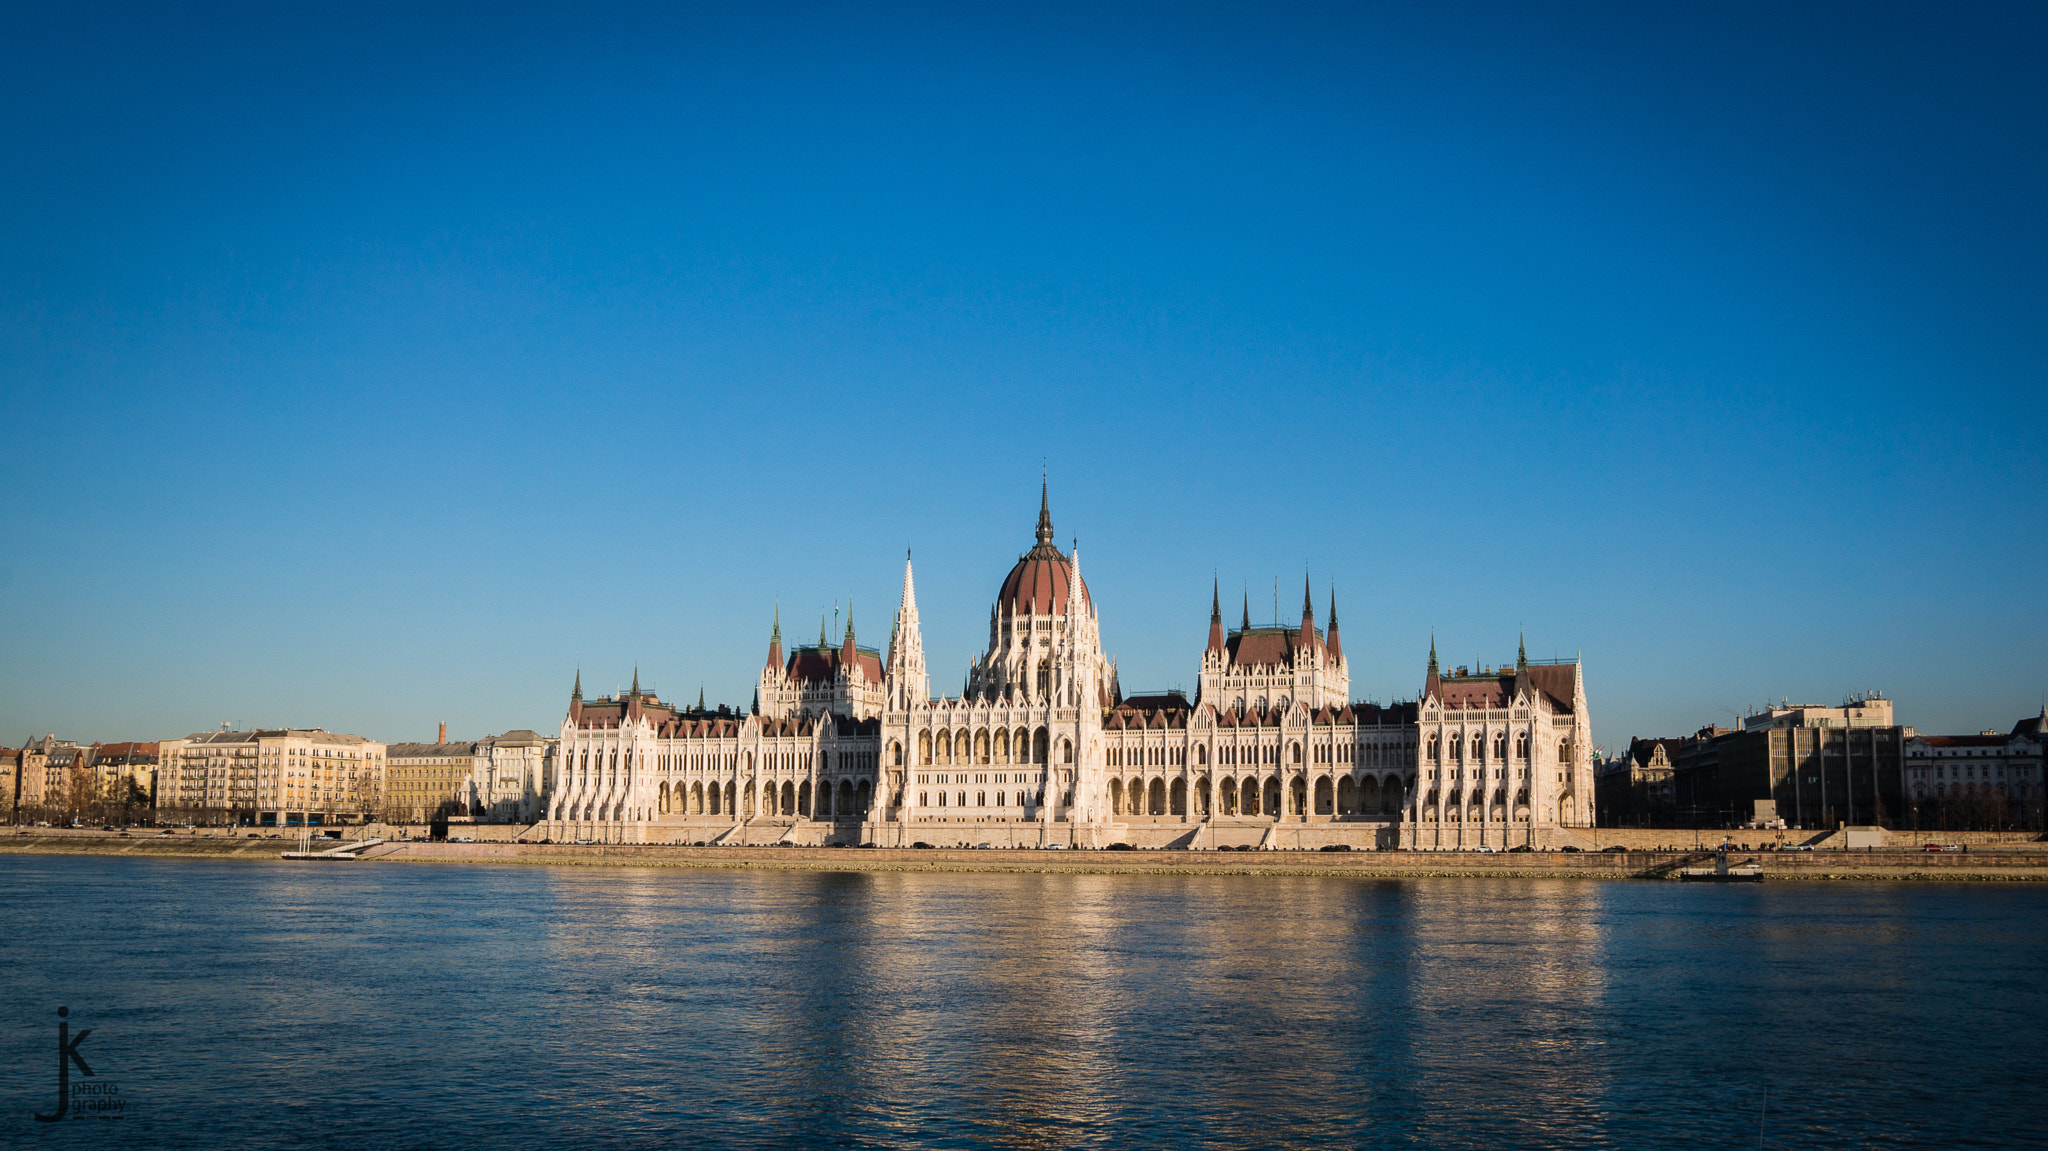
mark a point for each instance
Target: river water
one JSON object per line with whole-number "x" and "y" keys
{"x": 369, "y": 1006}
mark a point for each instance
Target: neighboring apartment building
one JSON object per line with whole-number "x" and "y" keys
{"x": 511, "y": 776}
{"x": 27, "y": 773}
{"x": 1636, "y": 789}
{"x": 1820, "y": 767}
{"x": 429, "y": 781}
{"x": 282, "y": 776}
{"x": 121, "y": 770}
{"x": 42, "y": 777}
{"x": 1986, "y": 780}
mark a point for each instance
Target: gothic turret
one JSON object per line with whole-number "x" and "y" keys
{"x": 1336, "y": 646}
{"x": 1215, "y": 620}
{"x": 1308, "y": 617}
{"x": 775, "y": 642}
{"x": 907, "y": 681}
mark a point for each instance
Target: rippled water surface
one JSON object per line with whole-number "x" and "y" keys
{"x": 257, "y": 1005}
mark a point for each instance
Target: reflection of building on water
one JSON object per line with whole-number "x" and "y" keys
{"x": 845, "y": 743}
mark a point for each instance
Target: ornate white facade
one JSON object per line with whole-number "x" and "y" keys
{"x": 1506, "y": 758}
{"x": 1041, "y": 748}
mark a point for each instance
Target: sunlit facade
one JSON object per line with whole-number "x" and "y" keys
{"x": 1041, "y": 747}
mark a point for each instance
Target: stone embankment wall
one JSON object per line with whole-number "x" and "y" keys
{"x": 1989, "y": 862}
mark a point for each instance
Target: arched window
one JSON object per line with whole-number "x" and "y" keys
{"x": 1294, "y": 753}
{"x": 1522, "y": 746}
{"x": 981, "y": 799}
{"x": 1044, "y": 678}
{"x": 924, "y": 748}
{"x": 963, "y": 800}
{"x": 1041, "y": 743}
{"x": 1066, "y": 752}
{"x": 999, "y": 799}
{"x": 1433, "y": 757}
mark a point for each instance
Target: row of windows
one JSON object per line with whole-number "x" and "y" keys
{"x": 924, "y": 799}
{"x": 1459, "y": 746}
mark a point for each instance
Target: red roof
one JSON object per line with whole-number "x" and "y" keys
{"x": 1038, "y": 584}
{"x": 821, "y": 664}
{"x": 1556, "y": 680}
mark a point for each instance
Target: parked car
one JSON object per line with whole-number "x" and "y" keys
{"x": 1335, "y": 847}
{"x": 1617, "y": 848}
{"x": 1121, "y": 846}
{"x": 1055, "y": 847}
{"x": 921, "y": 845}
{"x": 1570, "y": 847}
{"x": 1520, "y": 849}
{"x": 1944, "y": 847}
{"x": 1485, "y": 849}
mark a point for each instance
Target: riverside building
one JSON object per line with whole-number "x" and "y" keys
{"x": 276, "y": 777}
{"x": 1042, "y": 748}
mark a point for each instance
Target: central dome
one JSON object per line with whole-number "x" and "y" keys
{"x": 1038, "y": 584}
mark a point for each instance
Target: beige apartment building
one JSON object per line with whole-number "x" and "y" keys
{"x": 425, "y": 781}
{"x": 281, "y": 777}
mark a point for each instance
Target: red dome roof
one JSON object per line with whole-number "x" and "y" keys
{"x": 1038, "y": 584}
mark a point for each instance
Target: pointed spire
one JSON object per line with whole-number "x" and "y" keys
{"x": 823, "y": 643}
{"x": 636, "y": 681}
{"x": 1336, "y": 646}
{"x": 1522, "y": 655}
{"x": 576, "y": 693}
{"x": 1215, "y": 617}
{"x": 1432, "y": 654}
{"x": 1044, "y": 516}
{"x": 1247, "y": 625}
{"x": 775, "y": 642}
{"x": 848, "y": 656}
{"x": 1308, "y": 614}
{"x": 905, "y": 674}
{"x": 700, "y": 697}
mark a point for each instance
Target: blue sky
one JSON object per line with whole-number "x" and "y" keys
{"x": 368, "y": 367}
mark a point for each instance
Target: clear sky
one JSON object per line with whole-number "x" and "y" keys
{"x": 369, "y": 366}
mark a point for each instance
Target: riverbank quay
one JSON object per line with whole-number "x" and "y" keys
{"x": 2002, "y": 863}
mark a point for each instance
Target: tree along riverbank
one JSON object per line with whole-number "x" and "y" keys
{"x": 2003, "y": 863}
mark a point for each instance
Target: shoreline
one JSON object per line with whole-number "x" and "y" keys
{"x": 2019, "y": 864}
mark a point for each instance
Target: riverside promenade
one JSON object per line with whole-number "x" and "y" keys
{"x": 1982, "y": 862}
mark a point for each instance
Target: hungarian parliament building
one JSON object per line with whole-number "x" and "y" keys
{"x": 846, "y": 745}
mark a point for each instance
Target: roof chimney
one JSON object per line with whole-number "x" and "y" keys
{"x": 444, "y": 732}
